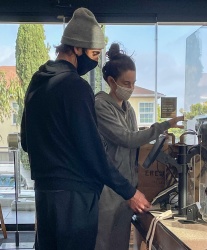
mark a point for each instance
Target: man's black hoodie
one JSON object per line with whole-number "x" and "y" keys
{"x": 59, "y": 132}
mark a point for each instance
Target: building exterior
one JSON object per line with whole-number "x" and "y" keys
{"x": 9, "y": 125}
{"x": 143, "y": 102}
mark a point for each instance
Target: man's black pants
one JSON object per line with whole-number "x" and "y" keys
{"x": 66, "y": 220}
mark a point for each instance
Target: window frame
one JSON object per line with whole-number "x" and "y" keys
{"x": 139, "y": 113}
{"x": 14, "y": 113}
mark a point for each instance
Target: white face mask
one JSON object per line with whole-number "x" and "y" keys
{"x": 123, "y": 93}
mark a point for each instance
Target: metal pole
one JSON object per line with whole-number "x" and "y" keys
{"x": 63, "y": 23}
{"x": 156, "y": 55}
{"x": 103, "y": 61}
{"x": 16, "y": 194}
{"x": 183, "y": 179}
{"x": 92, "y": 79}
{"x": 13, "y": 140}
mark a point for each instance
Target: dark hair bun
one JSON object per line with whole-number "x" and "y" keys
{"x": 114, "y": 51}
{"x": 118, "y": 62}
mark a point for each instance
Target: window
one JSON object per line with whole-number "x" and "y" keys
{"x": 146, "y": 113}
{"x": 15, "y": 108}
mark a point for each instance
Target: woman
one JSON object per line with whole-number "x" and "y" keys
{"x": 118, "y": 126}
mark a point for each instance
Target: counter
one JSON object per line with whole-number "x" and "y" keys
{"x": 172, "y": 234}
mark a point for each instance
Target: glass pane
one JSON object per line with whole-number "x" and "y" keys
{"x": 196, "y": 71}
{"x": 171, "y": 60}
{"x": 146, "y": 118}
{"x": 181, "y": 69}
{"x": 146, "y": 107}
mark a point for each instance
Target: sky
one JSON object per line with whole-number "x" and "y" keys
{"x": 137, "y": 41}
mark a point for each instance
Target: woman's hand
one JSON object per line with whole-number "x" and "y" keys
{"x": 173, "y": 122}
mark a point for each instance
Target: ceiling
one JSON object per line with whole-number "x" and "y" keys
{"x": 106, "y": 11}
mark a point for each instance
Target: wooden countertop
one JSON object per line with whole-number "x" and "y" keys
{"x": 182, "y": 235}
{"x": 194, "y": 235}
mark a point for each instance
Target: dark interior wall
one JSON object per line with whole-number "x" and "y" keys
{"x": 106, "y": 11}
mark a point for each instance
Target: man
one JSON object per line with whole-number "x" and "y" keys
{"x": 59, "y": 132}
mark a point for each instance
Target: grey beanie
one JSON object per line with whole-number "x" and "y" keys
{"x": 83, "y": 31}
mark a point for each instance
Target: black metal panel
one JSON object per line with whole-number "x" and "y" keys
{"x": 106, "y": 11}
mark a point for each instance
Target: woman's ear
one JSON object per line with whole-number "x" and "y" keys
{"x": 110, "y": 80}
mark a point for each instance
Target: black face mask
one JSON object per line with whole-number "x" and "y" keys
{"x": 85, "y": 64}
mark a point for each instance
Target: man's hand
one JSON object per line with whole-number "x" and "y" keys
{"x": 173, "y": 122}
{"x": 138, "y": 203}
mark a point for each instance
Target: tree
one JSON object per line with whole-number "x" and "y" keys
{"x": 5, "y": 107}
{"x": 8, "y": 90}
{"x": 159, "y": 119}
{"x": 31, "y": 52}
{"x": 176, "y": 131}
{"x": 195, "y": 109}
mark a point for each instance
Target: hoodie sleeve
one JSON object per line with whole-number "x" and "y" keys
{"x": 112, "y": 129}
{"x": 88, "y": 143}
